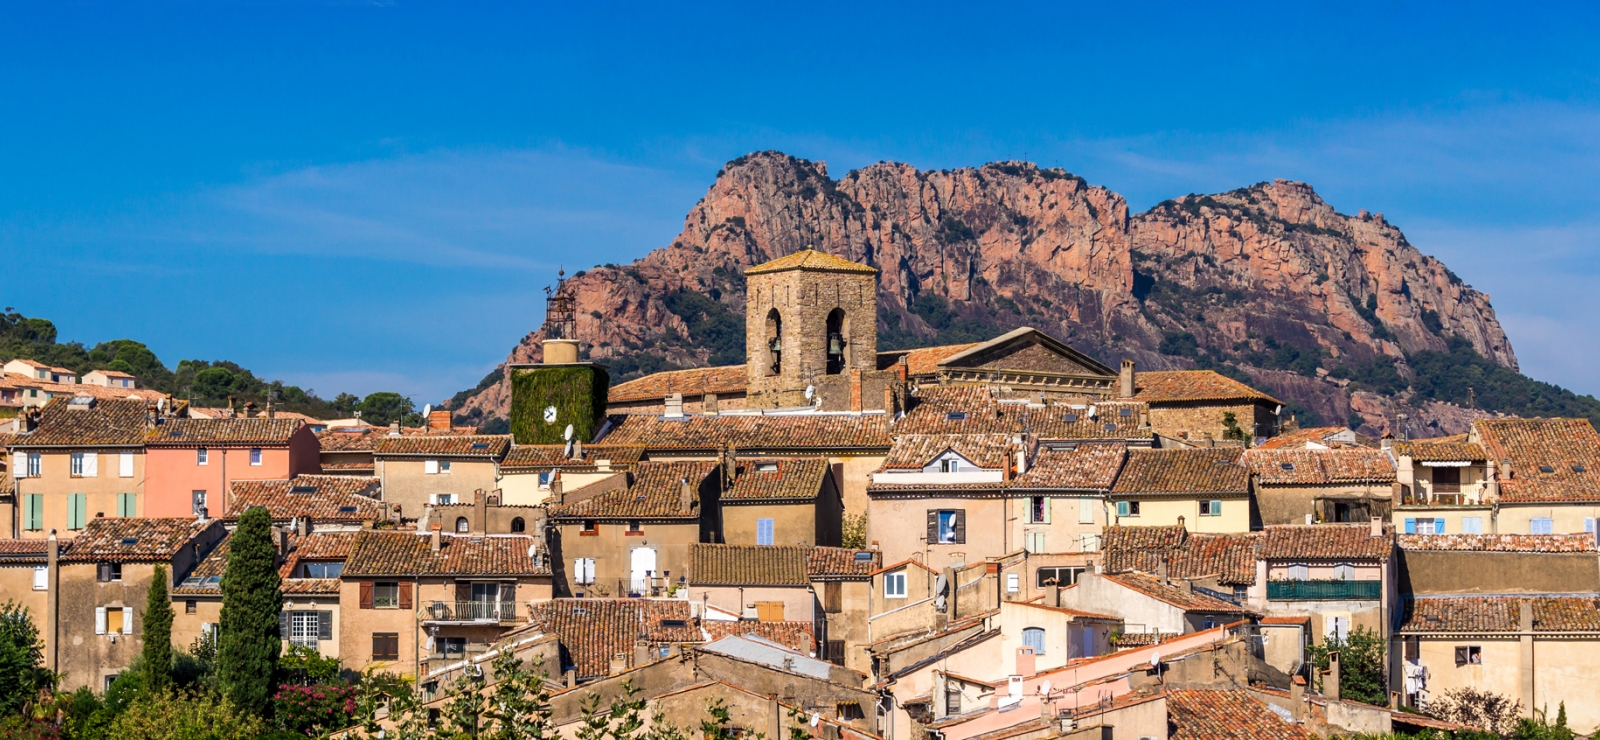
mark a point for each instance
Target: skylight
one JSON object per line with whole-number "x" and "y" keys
{"x": 347, "y": 510}
{"x": 130, "y": 540}
{"x": 1070, "y": 418}
{"x": 1579, "y": 469}
{"x": 1546, "y": 469}
{"x": 770, "y": 467}
{"x": 302, "y": 489}
{"x": 1287, "y": 466}
{"x": 1124, "y": 411}
{"x": 480, "y": 445}
{"x": 862, "y": 557}
{"x": 955, "y": 416}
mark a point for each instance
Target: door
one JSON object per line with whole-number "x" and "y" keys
{"x": 644, "y": 566}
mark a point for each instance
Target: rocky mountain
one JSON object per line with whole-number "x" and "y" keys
{"x": 1267, "y": 283}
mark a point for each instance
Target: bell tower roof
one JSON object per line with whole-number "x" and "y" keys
{"x": 811, "y": 259}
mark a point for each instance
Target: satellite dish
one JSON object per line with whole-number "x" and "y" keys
{"x": 549, "y": 414}
{"x": 1044, "y": 688}
{"x": 941, "y": 585}
{"x": 815, "y": 719}
{"x": 811, "y": 390}
{"x": 567, "y": 435}
{"x": 1091, "y": 411}
{"x": 1155, "y": 659}
{"x": 568, "y": 453}
{"x": 427, "y": 409}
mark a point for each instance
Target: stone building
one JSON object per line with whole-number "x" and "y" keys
{"x": 1205, "y": 490}
{"x": 1302, "y": 486}
{"x": 811, "y": 330}
{"x": 75, "y": 460}
{"x": 419, "y": 471}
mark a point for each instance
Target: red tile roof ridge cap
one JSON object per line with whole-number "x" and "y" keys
{"x": 907, "y": 561}
{"x": 1064, "y": 609}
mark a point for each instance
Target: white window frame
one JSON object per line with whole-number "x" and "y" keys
{"x": 202, "y": 456}
{"x": 583, "y": 571}
{"x": 125, "y": 465}
{"x": 1085, "y": 510}
{"x": 304, "y": 629}
{"x": 41, "y": 577}
{"x": 1472, "y": 525}
{"x": 1211, "y": 507}
{"x": 1041, "y": 515}
{"x": 766, "y": 531}
{"x": 1344, "y": 572}
{"x": 894, "y": 585}
{"x": 1299, "y": 572}
{"x": 35, "y": 464}
{"x": 430, "y": 467}
{"x": 75, "y": 465}
{"x": 255, "y": 459}
{"x": 1541, "y": 525}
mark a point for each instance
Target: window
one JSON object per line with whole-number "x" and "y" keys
{"x": 635, "y": 527}
{"x": 764, "y": 531}
{"x": 1013, "y": 583}
{"x": 41, "y": 577}
{"x": 1425, "y": 526}
{"x": 1127, "y": 508}
{"x": 1336, "y": 627}
{"x": 583, "y": 570}
{"x": 125, "y": 465}
{"x": 321, "y": 570}
{"x": 441, "y": 499}
{"x": 304, "y": 629}
{"x": 1085, "y": 510}
{"x": 1299, "y": 572}
{"x": 33, "y": 511}
{"x": 947, "y": 527}
{"x": 386, "y": 595}
{"x": 1033, "y": 637}
{"x": 1472, "y": 525}
{"x": 77, "y": 510}
{"x": 589, "y": 527}
{"x": 1344, "y": 572}
{"x": 452, "y": 647}
{"x": 430, "y": 467}
{"x": 255, "y": 455}
{"x": 85, "y": 464}
{"x": 1212, "y": 507}
{"x": 113, "y": 620}
{"x": 952, "y": 699}
{"x": 35, "y": 462}
{"x": 1039, "y": 510}
{"x": 462, "y": 525}
{"x": 385, "y": 646}
{"x": 1046, "y": 577}
{"x": 191, "y": 606}
{"x": 544, "y": 479}
{"x": 127, "y": 504}
{"x": 1035, "y": 542}
{"x": 517, "y": 525}
{"x": 201, "y": 456}
{"x": 1541, "y": 525}
{"x": 108, "y": 572}
{"x": 1088, "y": 542}
{"x": 894, "y": 585}
{"x": 949, "y": 465}
{"x": 1469, "y": 655}
{"x": 444, "y": 466}
{"x": 198, "y": 499}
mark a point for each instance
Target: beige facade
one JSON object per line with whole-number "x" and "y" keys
{"x": 763, "y": 603}
{"x": 1308, "y": 504}
{"x": 844, "y": 610}
{"x": 898, "y": 524}
{"x": 1538, "y": 670}
{"x": 75, "y": 486}
{"x": 413, "y": 482}
{"x": 611, "y": 548}
{"x": 1065, "y": 635}
{"x": 394, "y": 634}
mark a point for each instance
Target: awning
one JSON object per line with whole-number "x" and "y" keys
{"x": 1451, "y": 464}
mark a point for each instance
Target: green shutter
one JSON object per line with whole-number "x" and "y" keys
{"x": 33, "y": 504}
{"x": 127, "y": 505}
{"x": 77, "y": 510}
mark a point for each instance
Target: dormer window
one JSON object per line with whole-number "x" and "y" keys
{"x": 949, "y": 465}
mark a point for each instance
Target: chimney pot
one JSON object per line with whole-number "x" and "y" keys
{"x": 674, "y": 406}
{"x": 435, "y": 538}
{"x": 685, "y": 496}
{"x": 394, "y": 428}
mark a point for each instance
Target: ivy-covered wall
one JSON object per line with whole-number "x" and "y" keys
{"x": 577, "y": 393}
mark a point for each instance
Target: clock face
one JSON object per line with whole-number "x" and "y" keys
{"x": 549, "y": 414}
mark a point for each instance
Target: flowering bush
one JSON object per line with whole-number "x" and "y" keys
{"x": 310, "y": 710}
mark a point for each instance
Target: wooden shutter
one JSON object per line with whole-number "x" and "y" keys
{"x": 508, "y": 592}
{"x": 1461, "y": 656}
{"x": 405, "y": 594}
{"x": 366, "y": 594}
{"x": 100, "y": 627}
{"x": 769, "y": 611}
{"x": 831, "y": 597}
{"x": 933, "y": 526}
{"x": 463, "y": 591}
{"x": 961, "y": 526}
{"x": 325, "y": 625}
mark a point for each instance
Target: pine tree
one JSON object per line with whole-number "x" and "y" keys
{"x": 21, "y": 653}
{"x": 247, "y": 650}
{"x": 158, "y": 634}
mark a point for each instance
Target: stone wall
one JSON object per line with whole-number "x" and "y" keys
{"x": 803, "y": 299}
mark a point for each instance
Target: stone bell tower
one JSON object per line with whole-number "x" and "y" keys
{"x": 811, "y": 320}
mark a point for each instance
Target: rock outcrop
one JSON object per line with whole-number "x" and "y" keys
{"x": 1268, "y": 280}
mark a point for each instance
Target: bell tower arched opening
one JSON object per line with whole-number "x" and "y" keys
{"x": 837, "y": 341}
{"x": 774, "y": 343}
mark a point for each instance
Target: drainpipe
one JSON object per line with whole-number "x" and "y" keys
{"x": 52, "y": 609}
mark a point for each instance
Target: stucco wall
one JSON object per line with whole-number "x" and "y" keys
{"x": 1139, "y": 613}
{"x": 405, "y": 483}
{"x": 175, "y": 474}
{"x": 56, "y": 483}
{"x": 85, "y": 658}
{"x": 1164, "y": 512}
{"x": 792, "y": 524}
{"x": 16, "y": 584}
{"x": 799, "y": 603}
{"x": 1433, "y": 572}
{"x": 849, "y": 623}
{"x": 611, "y": 547}
{"x": 900, "y": 527}
{"x": 1567, "y": 518}
{"x": 1065, "y": 531}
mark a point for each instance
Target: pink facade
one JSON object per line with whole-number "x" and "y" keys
{"x": 174, "y": 474}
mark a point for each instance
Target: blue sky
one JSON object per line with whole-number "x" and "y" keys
{"x": 365, "y": 197}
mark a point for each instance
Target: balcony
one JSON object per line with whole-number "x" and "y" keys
{"x": 1324, "y": 590}
{"x": 471, "y": 611}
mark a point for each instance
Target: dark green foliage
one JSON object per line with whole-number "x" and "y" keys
{"x": 1446, "y": 376}
{"x": 1182, "y": 344}
{"x": 1361, "y": 665}
{"x": 247, "y": 649}
{"x": 1230, "y": 427}
{"x": 21, "y": 653}
{"x": 383, "y": 407}
{"x": 1379, "y": 375}
{"x": 638, "y": 365}
{"x": 157, "y": 651}
{"x": 952, "y": 230}
{"x": 578, "y": 394}
{"x": 1284, "y": 356}
{"x": 711, "y": 326}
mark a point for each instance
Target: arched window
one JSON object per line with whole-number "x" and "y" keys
{"x": 517, "y": 525}
{"x": 774, "y": 342}
{"x": 1344, "y": 572}
{"x": 836, "y": 343}
{"x": 462, "y": 525}
{"x": 1033, "y": 637}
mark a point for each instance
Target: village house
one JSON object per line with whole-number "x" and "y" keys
{"x": 329, "y": 502}
{"x": 755, "y": 582}
{"x": 1318, "y": 438}
{"x": 1203, "y": 407}
{"x": 110, "y": 379}
{"x": 1341, "y": 576}
{"x": 792, "y": 501}
{"x": 103, "y": 582}
{"x": 1447, "y": 486}
{"x": 422, "y": 470}
{"x": 528, "y": 470}
{"x": 842, "y": 578}
{"x": 190, "y": 463}
{"x": 76, "y": 460}
{"x": 1149, "y": 603}
{"x": 1063, "y": 493}
{"x": 41, "y": 371}
{"x": 347, "y": 444}
{"x": 1204, "y": 489}
{"x": 1303, "y": 486}
{"x": 25, "y": 578}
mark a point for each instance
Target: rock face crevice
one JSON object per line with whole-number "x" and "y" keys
{"x": 1267, "y": 279}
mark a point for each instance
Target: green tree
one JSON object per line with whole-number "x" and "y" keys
{"x": 592, "y": 721}
{"x": 1361, "y": 665}
{"x": 854, "y": 533}
{"x": 519, "y": 708}
{"x": 627, "y": 714}
{"x": 384, "y": 407}
{"x": 248, "y": 647}
{"x": 466, "y": 707}
{"x": 185, "y": 717}
{"x": 157, "y": 651}
{"x": 21, "y": 653}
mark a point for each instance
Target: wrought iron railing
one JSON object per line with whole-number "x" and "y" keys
{"x": 1324, "y": 590}
{"x": 472, "y": 611}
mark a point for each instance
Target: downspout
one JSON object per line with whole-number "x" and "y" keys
{"x": 52, "y": 610}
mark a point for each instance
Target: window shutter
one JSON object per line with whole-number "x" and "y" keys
{"x": 1461, "y": 656}
{"x": 577, "y": 570}
{"x": 366, "y": 594}
{"x": 430, "y": 467}
{"x": 764, "y": 531}
{"x": 127, "y": 621}
{"x": 933, "y": 526}
{"x": 508, "y": 593}
{"x": 1046, "y": 510}
{"x": 1411, "y": 526}
{"x": 325, "y": 625}
{"x": 91, "y": 464}
{"x": 405, "y": 594}
{"x": 283, "y": 625}
{"x": 463, "y": 591}
{"x": 125, "y": 465}
{"x": 961, "y": 526}
{"x": 1085, "y": 510}
{"x": 41, "y": 577}
{"x": 100, "y": 625}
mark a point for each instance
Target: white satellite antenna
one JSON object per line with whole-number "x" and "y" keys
{"x": 567, "y": 435}
{"x": 811, "y": 390}
{"x": 427, "y": 410}
{"x": 815, "y": 719}
{"x": 1155, "y": 659}
{"x": 1091, "y": 411}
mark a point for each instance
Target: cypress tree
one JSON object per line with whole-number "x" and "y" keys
{"x": 248, "y": 646}
{"x": 157, "y": 651}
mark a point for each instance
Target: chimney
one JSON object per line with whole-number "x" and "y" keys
{"x": 439, "y": 420}
{"x": 902, "y": 369}
{"x": 270, "y": 413}
{"x": 1181, "y": 524}
{"x": 855, "y": 389}
{"x": 1026, "y": 661}
{"x": 1297, "y": 697}
{"x": 302, "y": 526}
{"x": 571, "y": 677}
{"x": 1330, "y": 685}
{"x": 674, "y": 406}
{"x": 1491, "y": 483}
{"x": 1525, "y": 616}
{"x": 577, "y": 449}
{"x": 641, "y": 652}
{"x": 619, "y": 663}
{"x": 774, "y": 717}
{"x": 888, "y": 402}
{"x": 1006, "y": 464}
{"x": 708, "y": 404}
{"x": 480, "y": 511}
{"x": 1022, "y": 455}
{"x": 685, "y": 495}
{"x": 394, "y": 428}
{"x": 1161, "y": 572}
{"x": 1126, "y": 390}
{"x": 1377, "y": 527}
{"x": 435, "y": 539}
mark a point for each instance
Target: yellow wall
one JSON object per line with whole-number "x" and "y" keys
{"x": 55, "y": 482}
{"x": 1165, "y": 512}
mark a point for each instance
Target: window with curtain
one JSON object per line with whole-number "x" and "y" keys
{"x": 1033, "y": 637}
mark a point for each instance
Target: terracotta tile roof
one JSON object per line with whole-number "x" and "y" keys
{"x": 1298, "y": 439}
{"x": 193, "y": 432}
{"x": 541, "y": 457}
{"x": 803, "y": 431}
{"x": 1302, "y": 619}
{"x": 466, "y": 445}
{"x": 922, "y": 361}
{"x": 811, "y": 259}
{"x": 347, "y": 468}
{"x": 1230, "y": 558}
{"x": 1326, "y": 542}
{"x": 594, "y": 630}
{"x": 365, "y": 438}
{"x": 103, "y": 423}
{"x": 842, "y": 564}
{"x": 771, "y": 480}
{"x": 1321, "y": 467}
{"x": 29, "y": 551}
{"x": 385, "y": 553}
{"x": 206, "y": 578}
{"x": 795, "y": 635}
{"x": 323, "y": 498}
{"x": 970, "y": 409}
{"x": 1190, "y": 601}
{"x": 1215, "y": 470}
{"x": 1501, "y": 613}
{"x": 1546, "y": 457}
{"x": 1131, "y": 640}
{"x": 1171, "y": 386}
{"x": 1226, "y": 715}
{"x": 915, "y": 451}
{"x": 1442, "y": 449}
{"x": 129, "y": 540}
{"x": 1498, "y": 542}
{"x": 1088, "y": 466}
{"x": 654, "y": 492}
{"x": 748, "y": 565}
{"x": 692, "y": 383}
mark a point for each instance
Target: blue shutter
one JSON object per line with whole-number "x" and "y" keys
{"x": 1438, "y": 526}
{"x": 764, "y": 531}
{"x": 1033, "y": 637}
{"x": 1411, "y": 526}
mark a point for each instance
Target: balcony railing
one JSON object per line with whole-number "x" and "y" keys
{"x": 471, "y": 611}
{"x": 1324, "y": 590}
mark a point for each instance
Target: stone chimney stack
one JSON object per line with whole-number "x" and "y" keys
{"x": 685, "y": 495}
{"x": 394, "y": 428}
{"x": 302, "y": 526}
{"x": 1377, "y": 527}
{"x": 480, "y": 511}
{"x": 439, "y": 420}
{"x": 674, "y": 406}
{"x": 436, "y": 540}
{"x": 855, "y": 389}
{"x": 1126, "y": 389}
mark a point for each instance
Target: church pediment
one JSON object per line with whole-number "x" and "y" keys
{"x": 1027, "y": 350}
